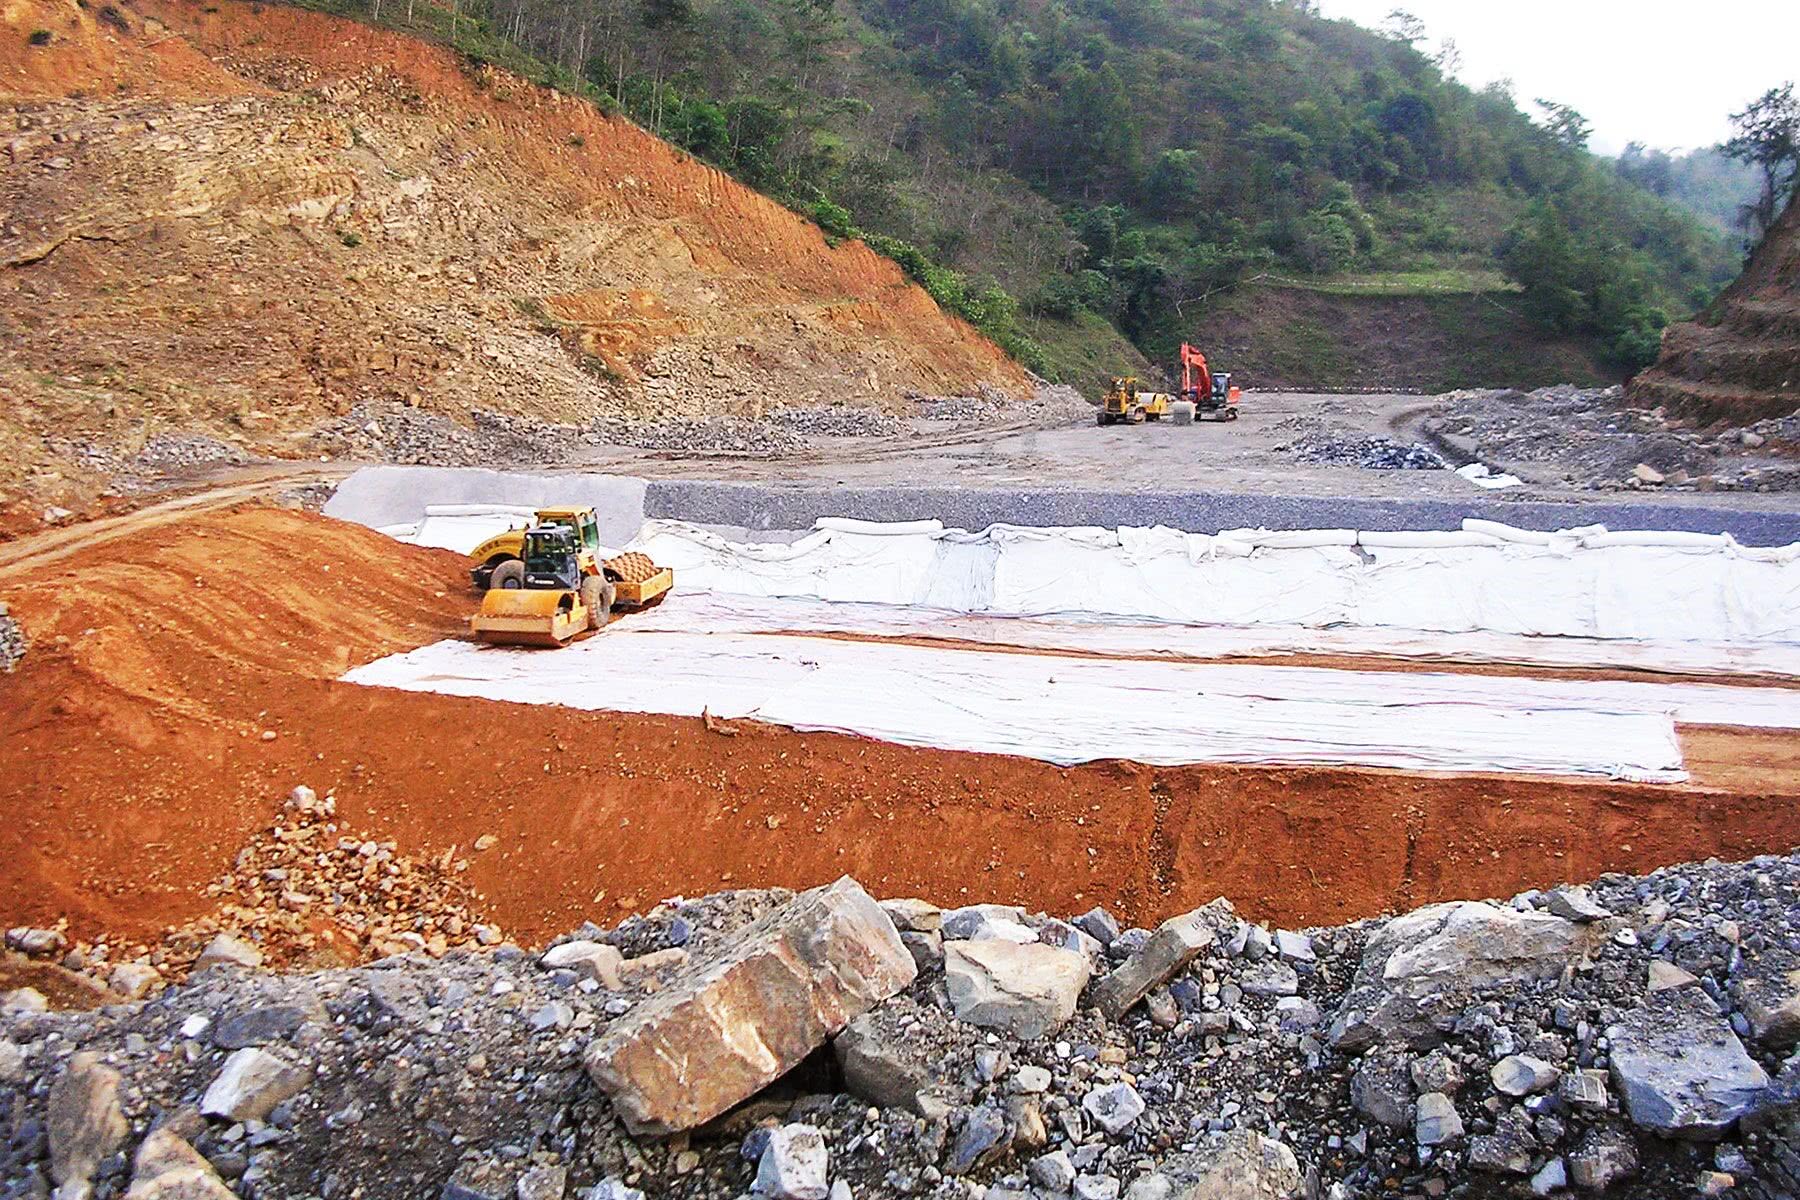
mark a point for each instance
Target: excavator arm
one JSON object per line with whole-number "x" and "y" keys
{"x": 1196, "y": 376}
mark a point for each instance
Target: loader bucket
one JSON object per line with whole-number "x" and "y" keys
{"x": 529, "y": 617}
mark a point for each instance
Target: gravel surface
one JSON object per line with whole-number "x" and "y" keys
{"x": 775, "y": 506}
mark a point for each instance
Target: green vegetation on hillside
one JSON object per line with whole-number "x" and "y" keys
{"x": 1708, "y": 181}
{"x": 1039, "y": 165}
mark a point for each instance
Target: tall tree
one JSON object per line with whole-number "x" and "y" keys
{"x": 1402, "y": 26}
{"x": 1565, "y": 124}
{"x": 1768, "y": 138}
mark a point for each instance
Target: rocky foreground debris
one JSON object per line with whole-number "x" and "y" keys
{"x": 1636, "y": 1038}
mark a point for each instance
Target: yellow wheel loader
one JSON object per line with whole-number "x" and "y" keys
{"x": 546, "y": 583}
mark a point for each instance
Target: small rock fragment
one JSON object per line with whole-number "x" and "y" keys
{"x": 1604, "y": 1157}
{"x": 228, "y": 951}
{"x": 1171, "y": 948}
{"x": 1680, "y": 1069}
{"x": 167, "y": 1168}
{"x": 591, "y": 960}
{"x": 1437, "y": 1122}
{"x": 794, "y": 1165}
{"x": 1523, "y": 1075}
{"x": 1666, "y": 975}
{"x": 1053, "y": 1172}
{"x": 1114, "y": 1107}
{"x": 1575, "y": 904}
{"x": 252, "y": 1082}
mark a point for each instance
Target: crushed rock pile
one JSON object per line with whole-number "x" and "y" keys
{"x": 160, "y": 458}
{"x": 170, "y": 452}
{"x": 1051, "y": 404}
{"x": 838, "y": 422}
{"x": 1633, "y": 1038}
{"x": 304, "y": 893}
{"x": 388, "y": 431}
{"x": 1369, "y": 453}
{"x": 716, "y": 434}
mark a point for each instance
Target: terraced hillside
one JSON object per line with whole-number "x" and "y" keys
{"x": 1740, "y": 361}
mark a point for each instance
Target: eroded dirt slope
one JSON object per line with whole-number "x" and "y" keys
{"x": 137, "y": 767}
{"x": 1741, "y": 361}
{"x": 247, "y": 219}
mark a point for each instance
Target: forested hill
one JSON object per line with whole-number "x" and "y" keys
{"x": 1047, "y": 166}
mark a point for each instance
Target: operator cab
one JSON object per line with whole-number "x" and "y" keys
{"x": 550, "y": 557}
{"x": 1221, "y": 385}
{"x": 579, "y": 521}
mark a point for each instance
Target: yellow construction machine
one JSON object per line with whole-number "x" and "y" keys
{"x": 1123, "y": 402}
{"x": 546, "y": 582}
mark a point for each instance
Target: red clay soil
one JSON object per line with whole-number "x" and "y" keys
{"x": 135, "y": 767}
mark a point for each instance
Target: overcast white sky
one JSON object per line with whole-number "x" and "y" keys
{"x": 1663, "y": 72}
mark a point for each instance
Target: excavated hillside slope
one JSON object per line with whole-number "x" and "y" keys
{"x": 245, "y": 219}
{"x": 1741, "y": 361}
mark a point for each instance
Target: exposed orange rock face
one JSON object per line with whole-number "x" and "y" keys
{"x": 244, "y": 219}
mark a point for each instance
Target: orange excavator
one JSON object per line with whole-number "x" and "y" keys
{"x": 1213, "y": 395}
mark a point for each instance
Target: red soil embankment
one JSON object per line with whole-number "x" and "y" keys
{"x": 247, "y": 220}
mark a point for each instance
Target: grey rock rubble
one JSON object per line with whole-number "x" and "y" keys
{"x": 800, "y": 1048}
{"x": 1592, "y": 438}
{"x": 12, "y": 640}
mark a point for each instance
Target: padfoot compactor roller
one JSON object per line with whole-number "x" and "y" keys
{"x": 546, "y": 583}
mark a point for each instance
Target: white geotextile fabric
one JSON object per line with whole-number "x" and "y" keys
{"x": 1698, "y": 704}
{"x": 1591, "y": 584}
{"x": 1066, "y": 710}
{"x": 461, "y": 527}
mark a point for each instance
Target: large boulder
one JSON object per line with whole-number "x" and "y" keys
{"x": 85, "y": 1121}
{"x": 732, "y": 1022}
{"x": 1419, "y": 969}
{"x": 1026, "y": 990}
{"x": 1680, "y": 1069}
{"x": 1171, "y": 948}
